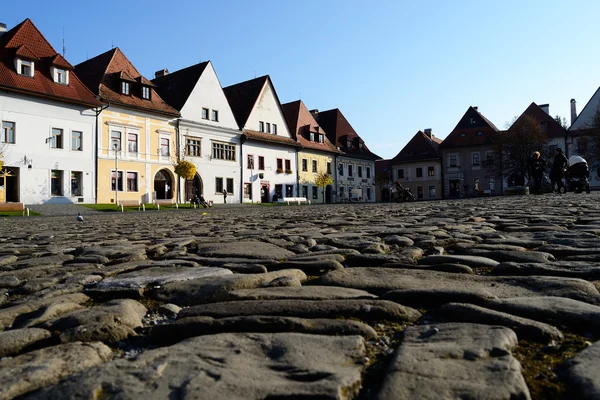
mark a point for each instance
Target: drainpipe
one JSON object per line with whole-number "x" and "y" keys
{"x": 298, "y": 173}
{"x": 335, "y": 168}
{"x": 242, "y": 140}
{"x": 98, "y": 112}
{"x": 178, "y": 154}
{"x": 442, "y": 176}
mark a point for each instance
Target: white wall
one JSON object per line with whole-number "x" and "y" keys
{"x": 586, "y": 117}
{"x": 34, "y": 119}
{"x": 267, "y": 109}
{"x": 356, "y": 183}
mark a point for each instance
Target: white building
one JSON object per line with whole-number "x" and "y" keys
{"x": 48, "y": 123}
{"x": 207, "y": 131}
{"x": 269, "y": 152}
{"x": 583, "y": 136}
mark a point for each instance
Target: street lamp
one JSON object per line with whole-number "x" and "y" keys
{"x": 116, "y": 149}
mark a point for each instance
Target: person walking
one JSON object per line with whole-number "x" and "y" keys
{"x": 557, "y": 171}
{"x": 225, "y": 196}
{"x": 536, "y": 167}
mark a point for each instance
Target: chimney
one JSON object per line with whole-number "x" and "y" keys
{"x": 573, "y": 111}
{"x": 476, "y": 108}
{"x": 2, "y": 29}
{"x": 314, "y": 111}
{"x": 161, "y": 72}
{"x": 546, "y": 108}
{"x": 428, "y": 133}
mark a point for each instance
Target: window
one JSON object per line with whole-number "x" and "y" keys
{"x": 475, "y": 158}
{"x": 400, "y": 174}
{"x": 214, "y": 116}
{"x": 8, "y": 132}
{"x": 261, "y": 126}
{"x": 419, "y": 192}
{"x": 124, "y": 87}
{"x": 223, "y": 151}
{"x": 26, "y": 68}
{"x": 164, "y": 147}
{"x": 279, "y": 191}
{"x": 56, "y": 182}
{"x": 289, "y": 190}
{"x": 341, "y": 169}
{"x": 132, "y": 143}
{"x": 479, "y": 133}
{"x": 359, "y": 171}
{"x": 315, "y": 194}
{"x": 463, "y": 134}
{"x": 57, "y": 138}
{"x": 453, "y": 160}
{"x": 489, "y": 158}
{"x": 279, "y": 164}
{"x": 321, "y": 138}
{"x": 341, "y": 191}
{"x": 76, "y": 178}
{"x": 419, "y": 172}
{"x": 192, "y": 147}
{"x": 76, "y": 141}
{"x": 230, "y": 185}
{"x": 305, "y": 192}
{"x": 115, "y": 140}
{"x": 268, "y": 127}
{"x": 430, "y": 171}
{"x": 145, "y": 92}
{"x": 476, "y": 184}
{"x": 61, "y": 76}
{"x": 116, "y": 181}
{"x": 492, "y": 184}
{"x": 274, "y": 129}
{"x": 247, "y": 190}
{"x": 369, "y": 172}
{"x": 250, "y": 161}
{"x": 288, "y": 165}
{"x": 329, "y": 168}
{"x": 218, "y": 185}
{"x": 431, "y": 192}
{"x": 261, "y": 162}
{"x": 205, "y": 113}
{"x": 582, "y": 146}
{"x": 312, "y": 136}
{"x": 132, "y": 181}
{"x": 304, "y": 165}
{"x": 368, "y": 193}
{"x": 314, "y": 166}
{"x": 350, "y": 172}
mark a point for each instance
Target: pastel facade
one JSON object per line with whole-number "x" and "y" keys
{"x": 136, "y": 146}
{"x": 48, "y": 123}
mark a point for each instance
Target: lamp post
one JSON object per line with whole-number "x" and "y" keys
{"x": 116, "y": 149}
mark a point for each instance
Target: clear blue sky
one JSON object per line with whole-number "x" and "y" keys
{"x": 392, "y": 67}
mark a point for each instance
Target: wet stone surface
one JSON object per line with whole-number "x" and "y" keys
{"x": 491, "y": 298}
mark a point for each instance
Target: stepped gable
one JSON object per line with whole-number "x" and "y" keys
{"x": 301, "y": 123}
{"x": 341, "y": 134}
{"x": 420, "y": 147}
{"x": 472, "y": 130}
{"x": 175, "y": 88}
{"x": 25, "y": 41}
{"x": 104, "y": 73}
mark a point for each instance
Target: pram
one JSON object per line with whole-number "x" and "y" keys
{"x": 577, "y": 175}
{"x": 199, "y": 201}
{"x": 401, "y": 194}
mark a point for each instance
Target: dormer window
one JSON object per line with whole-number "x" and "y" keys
{"x": 25, "y": 67}
{"x": 349, "y": 144}
{"x": 60, "y": 75}
{"x": 125, "y": 88}
{"x": 321, "y": 139}
{"x": 312, "y": 136}
{"x": 145, "y": 93}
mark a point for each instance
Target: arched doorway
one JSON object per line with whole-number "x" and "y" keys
{"x": 193, "y": 187}
{"x": 163, "y": 184}
{"x": 328, "y": 193}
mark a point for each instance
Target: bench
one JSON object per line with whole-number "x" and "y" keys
{"x": 165, "y": 202}
{"x": 131, "y": 203}
{"x": 14, "y": 207}
{"x": 289, "y": 200}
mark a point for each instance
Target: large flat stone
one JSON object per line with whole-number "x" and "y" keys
{"x": 235, "y": 366}
{"x": 299, "y": 292}
{"x": 470, "y": 261}
{"x": 582, "y": 374}
{"x": 158, "y": 276}
{"x": 13, "y": 341}
{"x": 246, "y": 249}
{"x": 455, "y": 361}
{"x": 569, "y": 269}
{"x": 438, "y": 296}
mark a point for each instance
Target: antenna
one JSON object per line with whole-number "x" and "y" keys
{"x": 63, "y": 42}
{"x": 112, "y": 44}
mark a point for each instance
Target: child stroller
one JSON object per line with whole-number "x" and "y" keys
{"x": 401, "y": 194}
{"x": 577, "y": 175}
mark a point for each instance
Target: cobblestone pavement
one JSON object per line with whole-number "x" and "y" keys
{"x": 491, "y": 298}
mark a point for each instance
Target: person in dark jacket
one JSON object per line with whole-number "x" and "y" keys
{"x": 537, "y": 165}
{"x": 558, "y": 167}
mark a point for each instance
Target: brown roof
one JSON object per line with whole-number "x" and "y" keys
{"x": 553, "y": 128}
{"x": 26, "y": 40}
{"x": 177, "y": 86}
{"x": 472, "y": 130}
{"x": 339, "y": 131}
{"x": 103, "y": 75}
{"x": 243, "y": 96}
{"x": 269, "y": 137}
{"x": 420, "y": 147}
{"x": 301, "y": 123}
{"x": 60, "y": 61}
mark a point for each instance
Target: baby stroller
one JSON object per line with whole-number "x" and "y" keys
{"x": 401, "y": 194}
{"x": 577, "y": 175}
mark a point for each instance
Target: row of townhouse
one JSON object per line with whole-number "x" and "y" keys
{"x": 463, "y": 164}
{"x": 100, "y": 132}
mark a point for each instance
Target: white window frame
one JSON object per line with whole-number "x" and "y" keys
{"x": 205, "y": 113}
{"x": 314, "y": 166}
{"x": 4, "y": 133}
{"x": 54, "y": 141}
{"x": 126, "y": 181}
{"x": 220, "y": 150}
{"x": 62, "y": 183}
{"x": 429, "y": 191}
{"x": 80, "y": 183}
{"x": 261, "y": 126}
{"x": 304, "y": 165}
{"x": 125, "y": 88}
{"x": 146, "y": 92}
{"x": 56, "y": 74}
{"x": 20, "y": 63}
{"x": 274, "y": 129}
{"x": 116, "y": 180}
{"x": 473, "y": 154}
{"x": 80, "y": 140}
{"x": 161, "y": 155}
{"x": 214, "y": 115}
{"x": 195, "y": 139}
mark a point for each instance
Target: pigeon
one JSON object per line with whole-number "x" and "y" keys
{"x": 79, "y": 217}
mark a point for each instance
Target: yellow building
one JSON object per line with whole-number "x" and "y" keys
{"x": 316, "y": 156}
{"x": 137, "y": 139}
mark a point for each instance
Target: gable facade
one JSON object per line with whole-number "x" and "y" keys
{"x": 582, "y": 134}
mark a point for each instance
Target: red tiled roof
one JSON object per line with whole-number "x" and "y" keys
{"x": 420, "y": 147}
{"x": 177, "y": 86}
{"x": 339, "y": 131}
{"x": 301, "y": 122}
{"x": 269, "y": 137}
{"x": 24, "y": 52}
{"x": 243, "y": 96}
{"x": 60, "y": 61}
{"x": 553, "y": 128}
{"x": 472, "y": 130}
{"x": 103, "y": 75}
{"x": 26, "y": 39}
